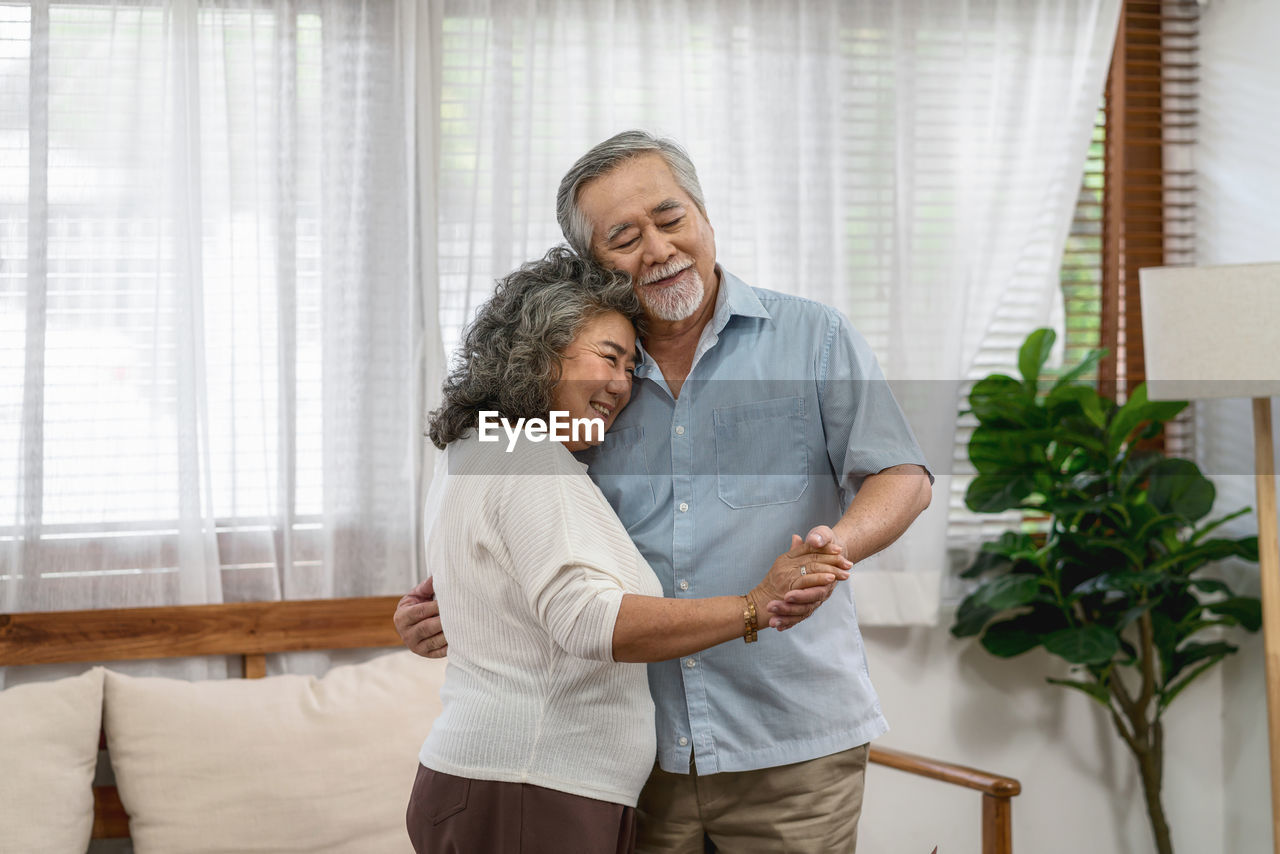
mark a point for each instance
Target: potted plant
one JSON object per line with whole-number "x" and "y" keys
{"x": 1106, "y": 571}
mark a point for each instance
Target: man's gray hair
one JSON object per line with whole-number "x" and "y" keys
{"x": 509, "y": 359}
{"x": 603, "y": 159}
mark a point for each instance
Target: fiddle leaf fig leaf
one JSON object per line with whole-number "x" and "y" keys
{"x": 970, "y": 619}
{"x": 1025, "y": 631}
{"x": 1063, "y": 397}
{"x": 1246, "y": 611}
{"x": 1157, "y": 522}
{"x": 1006, "y": 592}
{"x": 1136, "y": 410}
{"x": 1090, "y": 359}
{"x": 1165, "y": 636}
{"x": 1135, "y": 468}
{"x": 1033, "y": 354}
{"x": 1177, "y": 486}
{"x": 1093, "y": 689}
{"x": 1083, "y": 645}
{"x": 1185, "y": 558}
{"x": 1099, "y": 546}
{"x": 1210, "y": 585}
{"x": 985, "y": 561}
{"x": 1192, "y": 653}
{"x": 1172, "y": 690}
{"x": 1013, "y": 544}
{"x": 1153, "y": 429}
{"x": 1201, "y": 533}
{"x": 993, "y": 450}
{"x": 1116, "y": 581}
{"x": 1247, "y": 548}
{"x": 1125, "y": 419}
{"x": 1162, "y": 411}
{"x": 1132, "y": 614}
{"x": 1007, "y": 639}
{"x": 991, "y": 493}
{"x": 999, "y": 399}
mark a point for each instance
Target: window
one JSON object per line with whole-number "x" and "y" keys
{"x": 186, "y": 191}
{"x": 844, "y": 150}
{"x": 1135, "y": 209}
{"x": 856, "y": 154}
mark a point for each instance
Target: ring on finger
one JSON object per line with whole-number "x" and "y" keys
{"x": 804, "y": 570}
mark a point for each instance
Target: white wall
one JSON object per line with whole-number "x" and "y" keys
{"x": 1238, "y": 175}
{"x": 1080, "y": 791}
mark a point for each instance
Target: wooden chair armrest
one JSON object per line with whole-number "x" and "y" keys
{"x": 997, "y": 791}
{"x": 947, "y": 772}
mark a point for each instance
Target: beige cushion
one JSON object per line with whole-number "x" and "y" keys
{"x": 285, "y": 763}
{"x": 48, "y": 752}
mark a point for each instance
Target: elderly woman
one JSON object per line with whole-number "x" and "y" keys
{"x": 547, "y": 736}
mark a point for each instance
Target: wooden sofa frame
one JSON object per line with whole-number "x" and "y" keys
{"x": 252, "y": 630}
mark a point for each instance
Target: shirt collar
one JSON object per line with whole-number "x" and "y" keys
{"x": 734, "y": 297}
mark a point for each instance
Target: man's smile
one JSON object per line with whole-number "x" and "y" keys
{"x": 665, "y": 281}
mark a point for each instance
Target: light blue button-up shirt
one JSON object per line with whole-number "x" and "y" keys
{"x": 783, "y": 414}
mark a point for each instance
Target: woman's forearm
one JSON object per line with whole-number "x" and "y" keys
{"x": 651, "y": 628}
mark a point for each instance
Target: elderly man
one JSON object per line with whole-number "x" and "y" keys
{"x": 754, "y": 414}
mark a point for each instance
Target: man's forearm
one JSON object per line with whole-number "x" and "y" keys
{"x": 885, "y": 506}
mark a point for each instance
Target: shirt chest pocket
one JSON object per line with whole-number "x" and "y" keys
{"x": 761, "y": 454}
{"x": 620, "y": 471}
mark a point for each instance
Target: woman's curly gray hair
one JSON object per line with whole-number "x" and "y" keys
{"x": 510, "y": 356}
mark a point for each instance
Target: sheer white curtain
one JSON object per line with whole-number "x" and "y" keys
{"x": 220, "y": 224}
{"x": 213, "y": 333}
{"x": 913, "y": 163}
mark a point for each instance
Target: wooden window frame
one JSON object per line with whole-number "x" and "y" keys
{"x": 1148, "y": 212}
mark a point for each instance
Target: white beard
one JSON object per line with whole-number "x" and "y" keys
{"x": 676, "y": 302}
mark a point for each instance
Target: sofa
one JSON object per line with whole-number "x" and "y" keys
{"x": 277, "y": 763}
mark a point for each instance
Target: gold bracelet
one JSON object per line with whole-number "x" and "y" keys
{"x": 749, "y": 621}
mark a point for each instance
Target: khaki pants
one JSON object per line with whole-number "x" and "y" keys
{"x": 807, "y": 807}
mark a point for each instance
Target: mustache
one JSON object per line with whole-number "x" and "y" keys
{"x": 669, "y": 269}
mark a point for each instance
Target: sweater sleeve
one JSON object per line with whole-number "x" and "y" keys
{"x": 564, "y": 544}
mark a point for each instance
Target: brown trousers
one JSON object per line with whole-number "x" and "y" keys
{"x": 806, "y": 808}
{"x": 457, "y": 815}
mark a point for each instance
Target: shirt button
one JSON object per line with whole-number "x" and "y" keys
{"x": 690, "y": 663}
{"x": 684, "y": 585}
{"x": 684, "y": 742}
{"x": 684, "y": 508}
{"x": 680, "y": 431}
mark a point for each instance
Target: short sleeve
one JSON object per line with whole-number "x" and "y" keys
{"x": 865, "y": 429}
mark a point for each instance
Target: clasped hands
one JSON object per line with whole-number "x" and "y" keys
{"x": 800, "y": 580}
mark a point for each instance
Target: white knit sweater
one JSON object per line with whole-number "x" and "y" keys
{"x": 530, "y": 566}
